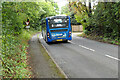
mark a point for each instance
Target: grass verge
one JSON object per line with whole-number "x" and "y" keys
{"x": 0, "y": 56}
{"x": 99, "y": 38}
{"x": 52, "y": 64}
{"x": 14, "y": 55}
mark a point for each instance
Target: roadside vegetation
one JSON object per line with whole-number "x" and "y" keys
{"x": 51, "y": 62}
{"x": 15, "y": 36}
{"x": 100, "y": 22}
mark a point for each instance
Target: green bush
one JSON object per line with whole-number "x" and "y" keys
{"x": 14, "y": 58}
{"x": 15, "y": 36}
{"x": 105, "y": 21}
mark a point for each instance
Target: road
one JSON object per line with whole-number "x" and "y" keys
{"x": 39, "y": 61}
{"x": 84, "y": 58}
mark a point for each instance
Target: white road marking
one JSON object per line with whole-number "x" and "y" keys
{"x": 112, "y": 57}
{"x": 79, "y": 37}
{"x": 76, "y": 37}
{"x": 83, "y": 46}
{"x": 71, "y": 42}
{"x": 87, "y": 48}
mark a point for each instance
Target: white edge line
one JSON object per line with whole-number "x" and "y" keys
{"x": 53, "y": 60}
{"x": 112, "y": 57}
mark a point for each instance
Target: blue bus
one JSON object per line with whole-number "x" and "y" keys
{"x": 56, "y": 28}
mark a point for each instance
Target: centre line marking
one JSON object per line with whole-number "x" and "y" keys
{"x": 87, "y": 48}
{"x": 83, "y": 46}
{"x": 112, "y": 57}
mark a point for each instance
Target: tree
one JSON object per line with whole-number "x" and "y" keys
{"x": 65, "y": 10}
{"x": 14, "y": 15}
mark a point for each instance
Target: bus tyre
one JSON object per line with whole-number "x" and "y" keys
{"x": 46, "y": 39}
{"x": 66, "y": 41}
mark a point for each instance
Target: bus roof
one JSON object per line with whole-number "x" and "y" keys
{"x": 58, "y": 16}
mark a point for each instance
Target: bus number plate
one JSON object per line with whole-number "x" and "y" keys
{"x": 59, "y": 40}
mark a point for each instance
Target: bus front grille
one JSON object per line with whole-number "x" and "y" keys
{"x": 60, "y": 30}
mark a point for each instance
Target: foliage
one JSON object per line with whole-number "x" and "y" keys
{"x": 103, "y": 21}
{"x": 99, "y": 38}
{"x": 14, "y": 55}
{"x": 65, "y": 10}
{"x": 15, "y": 36}
{"x": 17, "y": 13}
{"x": 80, "y": 11}
{"x": 48, "y": 9}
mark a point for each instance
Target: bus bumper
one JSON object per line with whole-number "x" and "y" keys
{"x": 59, "y": 39}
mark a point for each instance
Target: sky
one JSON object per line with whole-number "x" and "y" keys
{"x": 64, "y": 2}
{"x": 61, "y": 2}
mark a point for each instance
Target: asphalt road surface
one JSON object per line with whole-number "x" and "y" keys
{"x": 84, "y": 58}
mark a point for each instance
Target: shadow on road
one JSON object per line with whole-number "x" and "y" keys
{"x": 60, "y": 42}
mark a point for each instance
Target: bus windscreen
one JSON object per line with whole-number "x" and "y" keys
{"x": 58, "y": 23}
